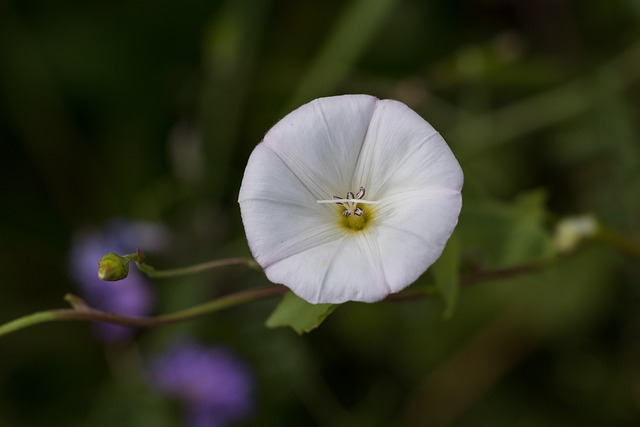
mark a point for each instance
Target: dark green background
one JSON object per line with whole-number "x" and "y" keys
{"x": 101, "y": 103}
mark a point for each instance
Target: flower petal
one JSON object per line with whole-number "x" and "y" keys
{"x": 320, "y": 141}
{"x": 404, "y": 152}
{"x": 349, "y": 269}
{"x": 279, "y": 214}
{"x": 413, "y": 235}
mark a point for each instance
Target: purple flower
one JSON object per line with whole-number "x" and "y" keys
{"x": 131, "y": 296}
{"x": 213, "y": 385}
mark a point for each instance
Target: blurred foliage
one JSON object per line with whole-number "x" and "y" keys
{"x": 301, "y": 316}
{"x": 149, "y": 110}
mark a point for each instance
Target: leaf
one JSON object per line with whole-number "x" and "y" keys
{"x": 300, "y": 315}
{"x": 446, "y": 272}
{"x": 502, "y": 234}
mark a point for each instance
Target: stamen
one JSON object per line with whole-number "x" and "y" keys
{"x": 343, "y": 201}
{"x": 351, "y": 203}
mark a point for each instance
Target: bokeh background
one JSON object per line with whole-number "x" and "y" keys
{"x": 148, "y": 111}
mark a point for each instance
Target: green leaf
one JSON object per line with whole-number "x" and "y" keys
{"x": 446, "y": 272}
{"x": 500, "y": 234}
{"x": 300, "y": 315}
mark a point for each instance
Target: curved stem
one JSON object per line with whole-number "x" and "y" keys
{"x": 227, "y": 301}
{"x": 32, "y": 319}
{"x": 82, "y": 312}
{"x": 197, "y": 268}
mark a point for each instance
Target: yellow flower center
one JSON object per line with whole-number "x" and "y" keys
{"x": 355, "y": 213}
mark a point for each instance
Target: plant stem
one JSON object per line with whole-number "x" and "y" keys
{"x": 227, "y": 301}
{"x": 197, "y": 268}
{"x": 30, "y": 320}
{"x": 619, "y": 242}
{"x": 478, "y": 276}
{"x": 88, "y": 313}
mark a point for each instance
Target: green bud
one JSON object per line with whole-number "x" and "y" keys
{"x": 113, "y": 267}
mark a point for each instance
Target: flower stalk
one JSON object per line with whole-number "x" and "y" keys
{"x": 114, "y": 267}
{"x": 193, "y": 269}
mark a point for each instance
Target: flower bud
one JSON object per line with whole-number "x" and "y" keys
{"x": 572, "y": 230}
{"x": 113, "y": 267}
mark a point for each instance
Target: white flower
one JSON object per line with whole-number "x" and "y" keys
{"x": 350, "y": 198}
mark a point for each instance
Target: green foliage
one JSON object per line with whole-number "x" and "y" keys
{"x": 446, "y": 273}
{"x": 300, "y": 315}
{"x": 501, "y": 234}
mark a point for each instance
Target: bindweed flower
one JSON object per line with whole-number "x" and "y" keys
{"x": 213, "y": 385}
{"x": 350, "y": 198}
{"x": 131, "y": 296}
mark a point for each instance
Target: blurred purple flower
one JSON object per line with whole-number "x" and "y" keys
{"x": 214, "y": 386}
{"x": 131, "y": 296}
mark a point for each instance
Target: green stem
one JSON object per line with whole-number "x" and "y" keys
{"x": 87, "y": 313}
{"x": 619, "y": 242}
{"x": 30, "y": 320}
{"x": 478, "y": 276}
{"x": 228, "y": 301}
{"x": 183, "y": 271}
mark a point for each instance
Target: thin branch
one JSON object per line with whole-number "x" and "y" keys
{"x": 183, "y": 271}
{"x": 504, "y": 273}
{"x": 88, "y": 313}
{"x": 478, "y": 276}
{"x": 619, "y": 242}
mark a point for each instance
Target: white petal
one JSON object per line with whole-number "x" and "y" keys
{"x": 320, "y": 141}
{"x": 349, "y": 269}
{"x": 280, "y": 216}
{"x": 412, "y": 233}
{"x": 403, "y": 152}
